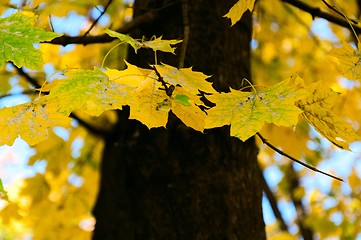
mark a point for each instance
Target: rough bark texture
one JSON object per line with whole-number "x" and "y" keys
{"x": 177, "y": 183}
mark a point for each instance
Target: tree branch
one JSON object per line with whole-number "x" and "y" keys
{"x": 273, "y": 202}
{"x": 103, "y": 38}
{"x": 306, "y": 232}
{"x": 294, "y": 159}
{"x": 316, "y": 12}
{"x": 96, "y": 20}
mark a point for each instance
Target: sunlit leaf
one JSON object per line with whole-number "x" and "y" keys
{"x": 89, "y": 91}
{"x": 190, "y": 80}
{"x": 158, "y": 44}
{"x": 317, "y": 109}
{"x": 29, "y": 120}
{"x": 247, "y": 112}
{"x": 125, "y": 38}
{"x": 236, "y": 12}
{"x": 17, "y": 36}
{"x": 349, "y": 59}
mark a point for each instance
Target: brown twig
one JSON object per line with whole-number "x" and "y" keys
{"x": 316, "y": 12}
{"x": 273, "y": 202}
{"x": 265, "y": 141}
{"x": 96, "y": 20}
{"x": 103, "y": 38}
{"x": 333, "y": 8}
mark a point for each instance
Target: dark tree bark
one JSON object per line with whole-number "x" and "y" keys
{"x": 177, "y": 183}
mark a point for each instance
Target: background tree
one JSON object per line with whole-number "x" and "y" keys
{"x": 176, "y": 182}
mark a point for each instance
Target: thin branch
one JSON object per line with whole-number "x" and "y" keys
{"x": 273, "y": 202}
{"x": 265, "y": 141}
{"x": 103, "y": 38}
{"x": 306, "y": 232}
{"x": 333, "y": 8}
{"x": 96, "y": 20}
{"x": 316, "y": 12}
{"x": 25, "y": 92}
{"x": 182, "y": 54}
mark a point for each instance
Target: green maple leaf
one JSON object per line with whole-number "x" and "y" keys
{"x": 30, "y": 120}
{"x": 247, "y": 112}
{"x": 317, "y": 109}
{"x": 125, "y": 38}
{"x": 89, "y": 91}
{"x": 240, "y": 7}
{"x": 17, "y": 36}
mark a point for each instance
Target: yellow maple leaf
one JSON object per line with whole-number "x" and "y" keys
{"x": 349, "y": 59}
{"x": 190, "y": 80}
{"x": 247, "y": 112}
{"x": 29, "y": 120}
{"x": 185, "y": 107}
{"x": 152, "y": 104}
{"x": 317, "y": 109}
{"x": 236, "y": 12}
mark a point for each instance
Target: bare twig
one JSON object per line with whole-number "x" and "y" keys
{"x": 96, "y": 20}
{"x": 333, "y": 8}
{"x": 294, "y": 159}
{"x": 25, "y": 92}
{"x": 182, "y": 54}
{"x": 316, "y": 12}
{"x": 273, "y": 202}
{"x": 103, "y": 38}
{"x": 305, "y": 231}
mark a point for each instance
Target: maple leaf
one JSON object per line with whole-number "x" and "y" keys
{"x": 157, "y": 44}
{"x": 29, "y": 120}
{"x": 190, "y": 80}
{"x": 185, "y": 107}
{"x": 247, "y": 112}
{"x": 349, "y": 59}
{"x": 89, "y": 91}
{"x": 17, "y": 36}
{"x": 236, "y": 12}
{"x": 152, "y": 105}
{"x": 161, "y": 45}
{"x": 125, "y": 38}
{"x": 317, "y": 109}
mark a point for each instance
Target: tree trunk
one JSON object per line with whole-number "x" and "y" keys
{"x": 177, "y": 183}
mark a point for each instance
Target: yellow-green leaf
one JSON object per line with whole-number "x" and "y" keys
{"x": 236, "y": 12}
{"x": 30, "y": 120}
{"x": 17, "y": 36}
{"x": 158, "y": 44}
{"x": 317, "y": 109}
{"x": 89, "y": 91}
{"x": 125, "y": 38}
{"x": 247, "y": 112}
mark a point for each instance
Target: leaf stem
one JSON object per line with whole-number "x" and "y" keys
{"x": 265, "y": 141}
